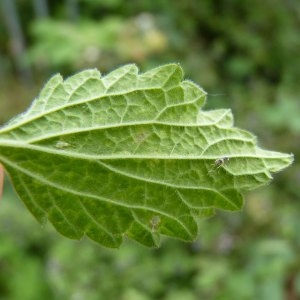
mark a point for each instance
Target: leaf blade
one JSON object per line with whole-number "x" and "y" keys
{"x": 130, "y": 154}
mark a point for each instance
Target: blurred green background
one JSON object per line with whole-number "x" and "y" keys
{"x": 245, "y": 54}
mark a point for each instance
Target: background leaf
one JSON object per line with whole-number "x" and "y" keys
{"x": 130, "y": 154}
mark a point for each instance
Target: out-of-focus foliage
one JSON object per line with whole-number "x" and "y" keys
{"x": 89, "y": 43}
{"x": 229, "y": 261}
{"x": 245, "y": 53}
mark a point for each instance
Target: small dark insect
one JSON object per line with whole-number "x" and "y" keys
{"x": 219, "y": 163}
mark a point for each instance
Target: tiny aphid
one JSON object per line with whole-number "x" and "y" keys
{"x": 154, "y": 222}
{"x": 62, "y": 145}
{"x": 218, "y": 163}
{"x": 221, "y": 161}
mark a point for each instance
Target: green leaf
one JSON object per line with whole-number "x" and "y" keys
{"x": 130, "y": 155}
